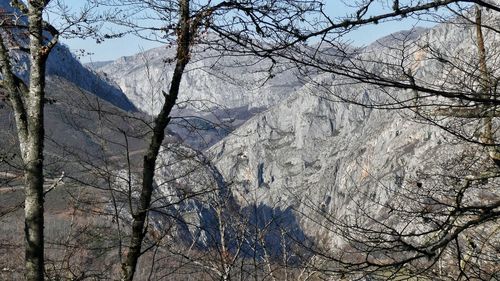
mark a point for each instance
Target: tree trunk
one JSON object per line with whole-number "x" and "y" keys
{"x": 149, "y": 162}
{"x": 33, "y": 152}
{"x": 27, "y": 103}
{"x": 485, "y": 84}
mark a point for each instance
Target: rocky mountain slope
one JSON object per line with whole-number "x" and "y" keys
{"x": 83, "y": 132}
{"x": 304, "y": 152}
{"x": 330, "y": 159}
{"x": 63, "y": 63}
{"x": 323, "y": 158}
{"x": 217, "y": 96}
{"x": 210, "y": 82}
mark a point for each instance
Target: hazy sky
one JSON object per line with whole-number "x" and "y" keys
{"x": 115, "y": 48}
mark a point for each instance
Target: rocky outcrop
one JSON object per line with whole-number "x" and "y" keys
{"x": 193, "y": 206}
{"x": 323, "y": 159}
{"x": 217, "y": 94}
{"x": 328, "y": 159}
{"x": 210, "y": 82}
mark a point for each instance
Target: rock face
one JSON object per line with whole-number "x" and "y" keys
{"x": 194, "y": 206}
{"x": 329, "y": 159}
{"x": 209, "y": 82}
{"x": 323, "y": 158}
{"x": 217, "y": 95}
{"x": 62, "y": 63}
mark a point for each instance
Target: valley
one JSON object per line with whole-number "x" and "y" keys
{"x": 215, "y": 159}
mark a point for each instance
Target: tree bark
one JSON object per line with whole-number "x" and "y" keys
{"x": 27, "y": 103}
{"x": 158, "y": 134}
{"x": 33, "y": 154}
{"x": 485, "y": 84}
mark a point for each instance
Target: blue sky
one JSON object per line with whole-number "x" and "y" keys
{"x": 115, "y": 48}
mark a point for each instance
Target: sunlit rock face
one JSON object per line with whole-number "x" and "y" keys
{"x": 328, "y": 159}
{"x": 299, "y": 150}
{"x": 210, "y": 82}
{"x": 216, "y": 96}
{"x": 321, "y": 158}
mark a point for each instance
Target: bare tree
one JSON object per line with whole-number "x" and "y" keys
{"x": 186, "y": 22}
{"x": 269, "y": 31}
{"x": 27, "y": 99}
{"x": 25, "y": 34}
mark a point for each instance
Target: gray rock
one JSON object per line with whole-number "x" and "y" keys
{"x": 333, "y": 159}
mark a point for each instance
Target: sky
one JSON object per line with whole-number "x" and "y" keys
{"x": 114, "y": 48}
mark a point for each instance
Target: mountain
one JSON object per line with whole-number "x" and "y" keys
{"x": 293, "y": 148}
{"x": 210, "y": 80}
{"x": 329, "y": 160}
{"x": 63, "y": 63}
{"x": 217, "y": 95}
{"x": 82, "y": 131}
{"x": 297, "y": 167}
